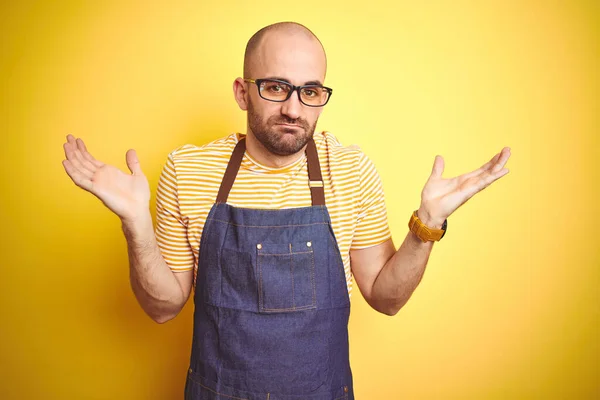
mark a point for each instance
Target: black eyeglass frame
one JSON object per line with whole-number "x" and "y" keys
{"x": 294, "y": 89}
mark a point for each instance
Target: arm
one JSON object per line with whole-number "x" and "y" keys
{"x": 386, "y": 277}
{"x": 160, "y": 292}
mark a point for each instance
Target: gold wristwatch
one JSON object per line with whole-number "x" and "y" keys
{"x": 424, "y": 232}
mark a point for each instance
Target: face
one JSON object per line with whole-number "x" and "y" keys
{"x": 278, "y": 132}
{"x": 284, "y": 128}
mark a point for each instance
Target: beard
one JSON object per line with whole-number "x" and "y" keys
{"x": 281, "y": 141}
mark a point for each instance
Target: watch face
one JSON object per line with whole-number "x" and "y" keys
{"x": 444, "y": 226}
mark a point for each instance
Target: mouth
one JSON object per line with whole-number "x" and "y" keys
{"x": 290, "y": 126}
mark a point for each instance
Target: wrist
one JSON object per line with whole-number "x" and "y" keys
{"x": 137, "y": 225}
{"x": 429, "y": 220}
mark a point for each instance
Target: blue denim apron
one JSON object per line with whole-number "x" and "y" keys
{"x": 271, "y": 301}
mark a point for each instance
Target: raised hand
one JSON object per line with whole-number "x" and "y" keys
{"x": 126, "y": 195}
{"x": 441, "y": 197}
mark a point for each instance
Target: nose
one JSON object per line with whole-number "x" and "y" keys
{"x": 292, "y": 106}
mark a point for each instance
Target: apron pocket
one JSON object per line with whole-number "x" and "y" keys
{"x": 286, "y": 277}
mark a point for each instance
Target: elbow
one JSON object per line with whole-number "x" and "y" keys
{"x": 162, "y": 311}
{"x": 393, "y": 306}
{"x": 390, "y": 311}
{"x": 162, "y": 318}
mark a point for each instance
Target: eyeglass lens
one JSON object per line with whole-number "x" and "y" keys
{"x": 279, "y": 91}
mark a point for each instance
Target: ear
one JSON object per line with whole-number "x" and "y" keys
{"x": 240, "y": 93}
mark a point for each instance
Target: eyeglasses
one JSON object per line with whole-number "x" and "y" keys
{"x": 280, "y": 91}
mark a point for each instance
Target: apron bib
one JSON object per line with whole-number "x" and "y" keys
{"x": 271, "y": 301}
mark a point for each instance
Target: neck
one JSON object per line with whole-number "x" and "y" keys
{"x": 260, "y": 153}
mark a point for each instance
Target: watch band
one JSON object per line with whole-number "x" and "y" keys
{"x": 424, "y": 232}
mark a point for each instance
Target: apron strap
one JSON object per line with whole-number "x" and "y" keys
{"x": 231, "y": 172}
{"x": 317, "y": 191}
{"x": 315, "y": 179}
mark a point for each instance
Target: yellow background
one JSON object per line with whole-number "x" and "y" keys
{"x": 509, "y": 304}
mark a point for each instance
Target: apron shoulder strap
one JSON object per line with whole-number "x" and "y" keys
{"x": 317, "y": 191}
{"x": 231, "y": 172}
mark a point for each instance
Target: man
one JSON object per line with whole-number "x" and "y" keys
{"x": 268, "y": 228}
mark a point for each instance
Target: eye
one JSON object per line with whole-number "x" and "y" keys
{"x": 311, "y": 92}
{"x": 276, "y": 88}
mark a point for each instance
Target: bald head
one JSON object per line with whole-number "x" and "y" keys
{"x": 267, "y": 44}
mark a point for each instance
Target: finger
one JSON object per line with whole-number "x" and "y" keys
{"x": 438, "y": 167}
{"x": 133, "y": 163}
{"x": 486, "y": 180}
{"x": 504, "y": 156}
{"x": 483, "y": 168}
{"x": 74, "y": 161}
{"x": 73, "y": 153}
{"x": 70, "y": 148}
{"x": 76, "y": 176}
{"x": 494, "y": 165}
{"x": 86, "y": 154}
{"x": 84, "y": 162}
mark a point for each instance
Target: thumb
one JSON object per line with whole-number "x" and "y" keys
{"x": 438, "y": 167}
{"x": 133, "y": 163}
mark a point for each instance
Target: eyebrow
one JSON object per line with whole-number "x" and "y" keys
{"x": 286, "y": 80}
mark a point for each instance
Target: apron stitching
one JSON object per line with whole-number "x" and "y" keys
{"x": 291, "y": 309}
{"x": 268, "y": 226}
{"x": 334, "y": 243}
{"x": 222, "y": 394}
{"x": 301, "y": 308}
{"x": 312, "y": 275}
{"x": 260, "y": 284}
{"x": 292, "y": 271}
{"x": 286, "y": 254}
{"x": 214, "y": 391}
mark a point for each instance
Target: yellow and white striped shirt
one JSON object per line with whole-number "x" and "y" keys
{"x": 191, "y": 177}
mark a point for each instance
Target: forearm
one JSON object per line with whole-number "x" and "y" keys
{"x": 402, "y": 273}
{"x": 153, "y": 283}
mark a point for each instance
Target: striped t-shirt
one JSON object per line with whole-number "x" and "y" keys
{"x": 191, "y": 177}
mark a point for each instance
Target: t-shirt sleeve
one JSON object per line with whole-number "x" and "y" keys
{"x": 372, "y": 226}
{"x": 171, "y": 227}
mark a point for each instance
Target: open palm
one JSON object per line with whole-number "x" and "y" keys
{"x": 441, "y": 197}
{"x": 127, "y": 195}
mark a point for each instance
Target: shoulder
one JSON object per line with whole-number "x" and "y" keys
{"x": 329, "y": 144}
{"x": 346, "y": 156}
{"x": 189, "y": 160}
{"x": 216, "y": 150}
